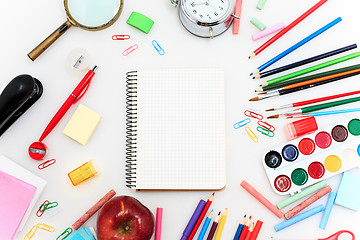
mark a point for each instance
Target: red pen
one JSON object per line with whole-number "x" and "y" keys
{"x": 37, "y": 150}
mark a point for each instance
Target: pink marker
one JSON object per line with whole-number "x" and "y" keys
{"x": 159, "y": 212}
{"x": 268, "y": 31}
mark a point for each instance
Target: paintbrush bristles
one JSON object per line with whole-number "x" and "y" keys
{"x": 254, "y": 99}
{"x": 274, "y": 116}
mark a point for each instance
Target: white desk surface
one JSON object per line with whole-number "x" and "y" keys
{"x": 27, "y": 23}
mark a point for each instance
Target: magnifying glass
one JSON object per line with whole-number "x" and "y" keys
{"x": 91, "y": 15}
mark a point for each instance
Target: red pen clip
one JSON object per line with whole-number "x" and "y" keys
{"x": 120, "y": 37}
{"x": 87, "y": 86}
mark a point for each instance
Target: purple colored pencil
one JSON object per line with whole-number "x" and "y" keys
{"x": 193, "y": 220}
{"x": 213, "y": 227}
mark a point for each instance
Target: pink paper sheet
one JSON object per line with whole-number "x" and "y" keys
{"x": 15, "y": 198}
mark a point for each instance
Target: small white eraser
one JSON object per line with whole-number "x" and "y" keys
{"x": 82, "y": 124}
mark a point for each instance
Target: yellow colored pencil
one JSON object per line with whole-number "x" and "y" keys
{"x": 221, "y": 225}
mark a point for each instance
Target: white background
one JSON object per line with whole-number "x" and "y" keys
{"x": 26, "y": 23}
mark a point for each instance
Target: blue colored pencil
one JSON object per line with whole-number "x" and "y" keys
{"x": 324, "y": 113}
{"x": 239, "y": 229}
{"x": 297, "y": 45}
{"x": 205, "y": 226}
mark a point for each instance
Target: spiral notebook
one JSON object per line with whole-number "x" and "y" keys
{"x": 175, "y": 130}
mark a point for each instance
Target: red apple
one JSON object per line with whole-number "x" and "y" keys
{"x": 125, "y": 218}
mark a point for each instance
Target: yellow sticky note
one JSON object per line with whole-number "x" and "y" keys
{"x": 82, "y": 124}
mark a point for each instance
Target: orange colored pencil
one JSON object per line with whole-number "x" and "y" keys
{"x": 319, "y": 79}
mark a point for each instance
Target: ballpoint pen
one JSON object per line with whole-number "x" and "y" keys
{"x": 37, "y": 150}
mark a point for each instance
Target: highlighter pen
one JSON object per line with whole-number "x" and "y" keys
{"x": 193, "y": 219}
{"x": 239, "y": 229}
{"x": 73, "y": 98}
{"x": 205, "y": 227}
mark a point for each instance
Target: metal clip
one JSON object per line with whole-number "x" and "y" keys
{"x": 120, "y": 37}
{"x": 266, "y": 125}
{"x": 65, "y": 234}
{"x": 157, "y": 47}
{"x": 46, "y": 164}
{"x": 265, "y": 131}
{"x": 251, "y": 134}
{"x": 242, "y": 123}
{"x": 48, "y": 206}
{"x": 253, "y": 115}
{"x": 130, "y": 50}
{"x": 40, "y": 213}
{"x": 31, "y": 233}
{"x": 45, "y": 227}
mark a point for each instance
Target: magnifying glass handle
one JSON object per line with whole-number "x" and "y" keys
{"x": 37, "y": 51}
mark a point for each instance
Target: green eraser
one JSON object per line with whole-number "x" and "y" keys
{"x": 257, "y": 23}
{"x": 140, "y": 22}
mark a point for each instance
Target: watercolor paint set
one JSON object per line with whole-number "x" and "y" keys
{"x": 309, "y": 159}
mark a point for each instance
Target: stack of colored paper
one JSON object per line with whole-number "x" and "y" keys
{"x": 19, "y": 191}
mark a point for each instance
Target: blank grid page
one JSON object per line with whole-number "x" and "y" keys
{"x": 181, "y": 129}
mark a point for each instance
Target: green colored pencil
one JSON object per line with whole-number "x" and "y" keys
{"x": 302, "y": 79}
{"x": 311, "y": 69}
{"x": 317, "y": 107}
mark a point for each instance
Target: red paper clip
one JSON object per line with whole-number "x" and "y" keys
{"x": 40, "y": 213}
{"x": 266, "y": 125}
{"x": 120, "y": 37}
{"x": 130, "y": 50}
{"x": 46, "y": 164}
{"x": 253, "y": 115}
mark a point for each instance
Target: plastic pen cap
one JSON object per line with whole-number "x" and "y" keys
{"x": 302, "y": 127}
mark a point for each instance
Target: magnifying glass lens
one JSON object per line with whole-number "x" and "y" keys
{"x": 93, "y": 13}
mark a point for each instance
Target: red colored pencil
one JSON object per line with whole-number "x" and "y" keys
{"x": 245, "y": 229}
{"x": 201, "y": 217}
{"x": 315, "y": 100}
{"x": 249, "y": 232}
{"x": 287, "y": 28}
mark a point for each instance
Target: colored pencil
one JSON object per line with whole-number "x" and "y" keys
{"x": 317, "y": 107}
{"x": 213, "y": 227}
{"x": 319, "y": 79}
{"x": 221, "y": 225}
{"x": 245, "y": 229}
{"x": 311, "y": 69}
{"x": 283, "y": 92}
{"x": 201, "y": 217}
{"x": 305, "y": 61}
{"x": 205, "y": 226}
{"x": 287, "y": 28}
{"x": 302, "y": 79}
{"x": 315, "y": 100}
{"x": 240, "y": 227}
{"x": 249, "y": 232}
{"x": 325, "y": 113}
{"x": 297, "y": 45}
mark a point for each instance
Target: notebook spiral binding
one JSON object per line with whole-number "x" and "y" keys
{"x": 131, "y": 125}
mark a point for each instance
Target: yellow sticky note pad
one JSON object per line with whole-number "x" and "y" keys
{"x": 82, "y": 124}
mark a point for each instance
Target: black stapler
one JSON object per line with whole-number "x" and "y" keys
{"x": 19, "y": 95}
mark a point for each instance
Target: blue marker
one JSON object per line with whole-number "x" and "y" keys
{"x": 239, "y": 229}
{"x": 299, "y": 44}
{"x": 205, "y": 227}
